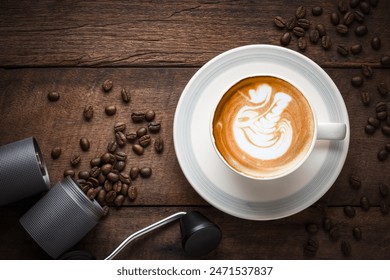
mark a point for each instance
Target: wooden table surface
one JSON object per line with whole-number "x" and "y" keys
{"x": 152, "y": 49}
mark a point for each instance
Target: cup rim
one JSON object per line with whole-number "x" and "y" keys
{"x": 288, "y": 171}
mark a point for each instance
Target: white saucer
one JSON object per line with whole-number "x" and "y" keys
{"x": 212, "y": 179}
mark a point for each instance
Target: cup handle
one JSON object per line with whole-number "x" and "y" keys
{"x": 331, "y": 131}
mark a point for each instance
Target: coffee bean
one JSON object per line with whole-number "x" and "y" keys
{"x": 149, "y": 115}
{"x": 334, "y": 18}
{"x": 326, "y": 42}
{"x": 342, "y": 49}
{"x": 304, "y": 23}
{"x": 120, "y": 165}
{"x": 354, "y": 3}
{"x": 107, "y": 85}
{"x": 125, "y": 189}
{"x": 302, "y": 43}
{"x": 385, "y": 60}
{"x": 334, "y": 233}
{"x": 131, "y": 137}
{"x": 381, "y": 115}
{"x": 145, "y": 172}
{"x": 75, "y": 160}
{"x": 125, "y": 96}
{"x": 107, "y": 158}
{"x": 56, "y": 152}
{"x": 314, "y": 35}
{"x": 343, "y": 6}
{"x": 359, "y": 16}
{"x": 101, "y": 196}
{"x": 107, "y": 186}
{"x": 110, "y": 110}
{"x": 291, "y": 23}
{"x": 310, "y": 247}
{"x": 141, "y": 132}
{"x": 327, "y": 224}
{"x": 365, "y": 7}
{"x": 159, "y": 145}
{"x": 91, "y": 193}
{"x": 121, "y": 156}
{"x": 357, "y": 81}
{"x": 384, "y": 207}
{"x": 132, "y": 193}
{"x": 88, "y": 112}
{"x": 342, "y": 29}
{"x": 374, "y": 3}
{"x": 84, "y": 144}
{"x": 349, "y": 211}
{"x": 365, "y": 97}
{"x": 386, "y": 130}
{"x": 154, "y": 127}
{"x": 95, "y": 162}
{"x": 124, "y": 178}
{"x": 117, "y": 186}
{"x": 83, "y": 175}
{"x": 311, "y": 228}
{"x": 383, "y": 190}
{"x": 355, "y": 182}
{"x": 120, "y": 126}
{"x": 356, "y": 49}
{"x": 112, "y": 146}
{"x": 53, "y": 96}
{"x": 349, "y": 17}
{"x": 369, "y": 129}
{"x": 380, "y": 107}
{"x": 300, "y": 12}
{"x": 367, "y": 71}
{"x": 106, "y": 210}
{"x": 382, "y": 155}
{"x": 361, "y": 30}
{"x": 134, "y": 172}
{"x": 138, "y": 117}
{"x": 346, "y": 248}
{"x": 365, "y": 203}
{"x": 285, "y": 39}
{"x": 138, "y": 149}
{"x": 69, "y": 172}
{"x": 120, "y": 138}
{"x": 95, "y": 172}
{"x": 280, "y": 22}
{"x": 383, "y": 89}
{"x": 357, "y": 233}
{"x": 145, "y": 140}
{"x": 119, "y": 200}
{"x": 106, "y": 168}
{"x": 375, "y": 43}
{"x": 316, "y": 11}
{"x": 93, "y": 181}
{"x": 113, "y": 177}
{"x": 110, "y": 196}
{"x": 387, "y": 146}
{"x": 298, "y": 31}
{"x": 101, "y": 178}
{"x": 321, "y": 29}
{"x": 374, "y": 122}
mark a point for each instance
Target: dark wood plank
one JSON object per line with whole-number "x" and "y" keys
{"x": 27, "y": 112}
{"x": 242, "y": 239}
{"x": 157, "y": 33}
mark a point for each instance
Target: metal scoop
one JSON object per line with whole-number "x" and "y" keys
{"x": 199, "y": 236}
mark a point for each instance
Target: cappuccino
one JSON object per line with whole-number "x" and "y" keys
{"x": 263, "y": 127}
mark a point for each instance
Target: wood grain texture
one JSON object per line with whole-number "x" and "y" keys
{"x": 242, "y": 239}
{"x": 27, "y": 112}
{"x": 164, "y": 33}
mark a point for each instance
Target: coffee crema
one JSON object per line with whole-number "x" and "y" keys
{"x": 263, "y": 126}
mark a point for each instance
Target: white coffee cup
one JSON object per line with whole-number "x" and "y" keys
{"x": 321, "y": 131}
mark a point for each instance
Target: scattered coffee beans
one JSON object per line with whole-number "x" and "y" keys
{"x": 88, "y": 112}
{"x": 302, "y": 43}
{"x": 316, "y": 11}
{"x": 75, "y": 160}
{"x": 159, "y": 145}
{"x": 285, "y": 39}
{"x": 356, "y": 49}
{"x": 349, "y": 211}
{"x": 112, "y": 146}
{"x": 382, "y": 155}
{"x": 365, "y": 7}
{"x": 149, "y": 115}
{"x": 300, "y": 12}
{"x": 110, "y": 110}
{"x": 385, "y": 60}
{"x": 342, "y": 29}
{"x": 365, "y": 203}
{"x": 342, "y": 49}
{"x": 119, "y": 126}
{"x": 298, "y": 31}
{"x": 367, "y": 71}
{"x": 310, "y": 248}
{"x": 120, "y": 138}
{"x": 326, "y": 42}
{"x": 357, "y": 81}
{"x": 365, "y": 98}
{"x": 134, "y": 172}
{"x": 280, "y": 22}
{"x": 56, "y": 152}
{"x": 53, "y": 96}
{"x": 357, "y": 233}
{"x": 107, "y": 85}
{"x": 361, "y": 30}
{"x": 69, "y": 172}
{"x": 138, "y": 149}
{"x": 125, "y": 96}
{"x": 334, "y": 18}
{"x": 376, "y": 43}
{"x": 84, "y": 144}
{"x": 349, "y": 17}
{"x": 355, "y": 182}
{"x": 154, "y": 127}
{"x": 312, "y": 228}
{"x": 342, "y": 6}
{"x": 314, "y": 36}
{"x": 138, "y": 117}
{"x": 346, "y": 248}
{"x": 334, "y": 233}
{"x": 354, "y": 3}
{"x": 383, "y": 89}
{"x": 145, "y": 172}
{"x": 384, "y": 207}
{"x": 132, "y": 192}
{"x": 383, "y": 190}
{"x": 291, "y": 23}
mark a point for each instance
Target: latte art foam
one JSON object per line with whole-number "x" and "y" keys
{"x": 263, "y": 126}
